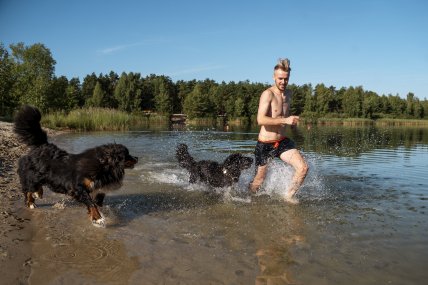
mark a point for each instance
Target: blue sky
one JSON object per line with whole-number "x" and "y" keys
{"x": 381, "y": 45}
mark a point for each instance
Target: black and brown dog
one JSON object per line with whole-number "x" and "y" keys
{"x": 76, "y": 175}
{"x": 211, "y": 172}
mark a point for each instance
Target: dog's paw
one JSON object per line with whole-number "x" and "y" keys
{"x": 100, "y": 223}
{"x": 31, "y": 205}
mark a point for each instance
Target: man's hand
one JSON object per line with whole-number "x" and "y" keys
{"x": 291, "y": 120}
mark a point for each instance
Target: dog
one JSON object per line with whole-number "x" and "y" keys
{"x": 77, "y": 175}
{"x": 211, "y": 172}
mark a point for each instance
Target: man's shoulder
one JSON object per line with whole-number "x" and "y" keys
{"x": 268, "y": 93}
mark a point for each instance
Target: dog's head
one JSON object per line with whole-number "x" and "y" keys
{"x": 234, "y": 164}
{"x": 118, "y": 154}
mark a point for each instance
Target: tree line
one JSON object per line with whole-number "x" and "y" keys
{"x": 27, "y": 77}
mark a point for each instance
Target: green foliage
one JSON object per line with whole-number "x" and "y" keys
{"x": 198, "y": 104}
{"x": 32, "y": 72}
{"x": 88, "y": 86}
{"x": 93, "y": 119}
{"x": 128, "y": 92}
{"x": 7, "y": 101}
{"x": 352, "y": 102}
{"x": 98, "y": 97}
{"x": 57, "y": 94}
{"x": 27, "y": 76}
{"x": 74, "y": 94}
{"x": 164, "y": 95}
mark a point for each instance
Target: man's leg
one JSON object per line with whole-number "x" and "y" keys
{"x": 258, "y": 179}
{"x": 295, "y": 159}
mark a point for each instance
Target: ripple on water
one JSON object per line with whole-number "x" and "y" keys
{"x": 64, "y": 247}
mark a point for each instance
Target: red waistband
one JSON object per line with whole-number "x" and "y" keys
{"x": 274, "y": 142}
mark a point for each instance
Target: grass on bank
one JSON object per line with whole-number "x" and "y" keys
{"x": 100, "y": 119}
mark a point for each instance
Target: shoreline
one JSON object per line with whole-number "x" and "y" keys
{"x": 15, "y": 226}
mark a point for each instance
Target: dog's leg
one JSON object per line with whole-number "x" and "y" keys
{"x": 31, "y": 194}
{"x": 81, "y": 195}
{"x": 99, "y": 199}
{"x": 96, "y": 217}
{"x": 28, "y": 185}
{"x": 29, "y": 200}
{"x": 39, "y": 192}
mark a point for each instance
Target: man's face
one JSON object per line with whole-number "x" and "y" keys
{"x": 281, "y": 79}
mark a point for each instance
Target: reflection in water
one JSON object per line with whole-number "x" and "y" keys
{"x": 275, "y": 255}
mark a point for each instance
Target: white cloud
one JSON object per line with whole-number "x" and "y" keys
{"x": 118, "y": 48}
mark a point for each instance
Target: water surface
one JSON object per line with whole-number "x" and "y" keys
{"x": 362, "y": 217}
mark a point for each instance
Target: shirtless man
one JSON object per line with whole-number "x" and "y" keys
{"x": 273, "y": 115}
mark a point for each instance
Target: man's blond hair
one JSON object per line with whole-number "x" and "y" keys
{"x": 283, "y": 64}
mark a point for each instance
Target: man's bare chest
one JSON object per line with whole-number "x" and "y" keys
{"x": 278, "y": 106}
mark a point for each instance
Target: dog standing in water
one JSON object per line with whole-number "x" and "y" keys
{"x": 76, "y": 175}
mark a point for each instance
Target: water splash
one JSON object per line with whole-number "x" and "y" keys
{"x": 277, "y": 181}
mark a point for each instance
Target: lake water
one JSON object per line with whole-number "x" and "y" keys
{"x": 362, "y": 217}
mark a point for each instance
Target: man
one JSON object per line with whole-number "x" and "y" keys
{"x": 273, "y": 115}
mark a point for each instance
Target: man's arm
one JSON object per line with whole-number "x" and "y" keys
{"x": 263, "y": 111}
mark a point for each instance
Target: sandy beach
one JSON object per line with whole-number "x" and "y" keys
{"x": 15, "y": 227}
{"x": 15, "y": 231}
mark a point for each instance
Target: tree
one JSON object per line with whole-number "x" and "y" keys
{"x": 108, "y": 84}
{"x": 418, "y": 109}
{"x": 371, "y": 104}
{"x": 74, "y": 94}
{"x": 97, "y": 99}
{"x": 164, "y": 95}
{"x": 352, "y": 102}
{"x": 398, "y": 106}
{"x": 57, "y": 95}
{"x": 325, "y": 99}
{"x": 253, "y": 103}
{"x": 128, "y": 92}
{"x": 163, "y": 100}
{"x": 239, "y": 107}
{"x": 7, "y": 101}
{"x": 310, "y": 100}
{"x": 410, "y": 104}
{"x": 33, "y": 72}
{"x": 184, "y": 88}
{"x": 88, "y": 86}
{"x": 297, "y": 99}
{"x": 197, "y": 104}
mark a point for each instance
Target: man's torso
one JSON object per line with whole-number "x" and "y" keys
{"x": 279, "y": 107}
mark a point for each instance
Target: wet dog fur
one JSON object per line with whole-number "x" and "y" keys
{"x": 211, "y": 172}
{"x": 77, "y": 175}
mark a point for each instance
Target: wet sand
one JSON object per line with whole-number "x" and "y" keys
{"x": 15, "y": 231}
{"x": 15, "y": 227}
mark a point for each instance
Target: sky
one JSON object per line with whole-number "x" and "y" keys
{"x": 381, "y": 45}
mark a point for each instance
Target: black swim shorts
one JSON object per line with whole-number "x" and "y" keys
{"x": 266, "y": 151}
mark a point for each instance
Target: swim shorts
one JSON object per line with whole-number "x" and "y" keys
{"x": 266, "y": 151}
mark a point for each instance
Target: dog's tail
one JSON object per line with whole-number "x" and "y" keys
{"x": 27, "y": 126}
{"x": 184, "y": 158}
